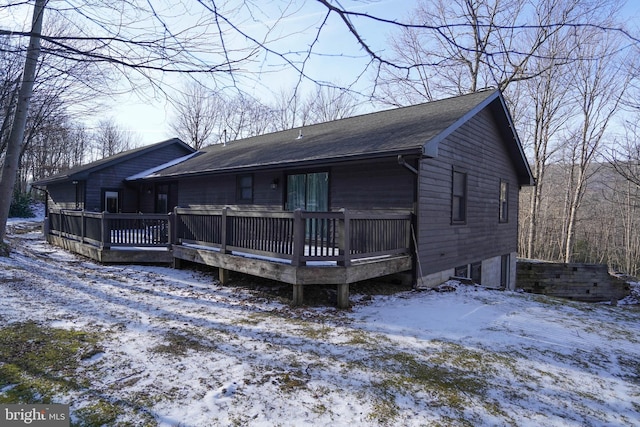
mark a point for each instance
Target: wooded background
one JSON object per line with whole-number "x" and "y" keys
{"x": 568, "y": 69}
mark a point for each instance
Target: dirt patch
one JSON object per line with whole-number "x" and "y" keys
{"x": 316, "y": 295}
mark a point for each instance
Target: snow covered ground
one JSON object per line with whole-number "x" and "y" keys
{"x": 179, "y": 349}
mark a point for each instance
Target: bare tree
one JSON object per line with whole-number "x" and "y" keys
{"x": 197, "y": 116}
{"x": 14, "y": 144}
{"x": 290, "y": 109}
{"x": 245, "y": 116}
{"x": 9, "y": 86}
{"x": 330, "y": 103}
{"x": 541, "y": 124}
{"x": 110, "y": 139}
{"x": 459, "y": 46}
{"x": 143, "y": 41}
{"x": 598, "y": 91}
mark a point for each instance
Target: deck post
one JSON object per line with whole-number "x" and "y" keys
{"x": 174, "y": 228}
{"x": 343, "y": 295}
{"x": 298, "y": 239}
{"x": 170, "y": 227}
{"x": 82, "y": 223}
{"x": 224, "y": 222}
{"x": 177, "y": 263}
{"x": 62, "y": 230}
{"x": 298, "y": 294}
{"x": 344, "y": 241}
{"x": 223, "y": 275}
{"x": 105, "y": 239}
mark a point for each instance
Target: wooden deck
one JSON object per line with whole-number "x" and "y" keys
{"x": 112, "y": 238}
{"x": 300, "y": 248}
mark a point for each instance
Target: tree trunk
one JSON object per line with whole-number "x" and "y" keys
{"x": 14, "y": 145}
{"x": 533, "y": 223}
{"x": 575, "y": 200}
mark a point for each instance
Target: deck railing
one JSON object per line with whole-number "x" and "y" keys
{"x": 107, "y": 230}
{"x": 299, "y": 237}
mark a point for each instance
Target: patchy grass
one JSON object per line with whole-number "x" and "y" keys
{"x": 179, "y": 345}
{"x": 40, "y": 364}
{"x": 37, "y": 362}
{"x": 289, "y": 382}
{"x": 451, "y": 386}
{"x": 173, "y": 342}
{"x": 99, "y": 413}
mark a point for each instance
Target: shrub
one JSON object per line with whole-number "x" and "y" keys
{"x": 21, "y": 206}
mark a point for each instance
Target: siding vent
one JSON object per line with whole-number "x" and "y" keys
{"x": 300, "y": 135}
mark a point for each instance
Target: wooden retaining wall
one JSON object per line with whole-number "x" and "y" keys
{"x": 580, "y": 282}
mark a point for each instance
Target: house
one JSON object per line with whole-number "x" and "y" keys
{"x": 78, "y": 200}
{"x": 431, "y": 189}
{"x": 101, "y": 186}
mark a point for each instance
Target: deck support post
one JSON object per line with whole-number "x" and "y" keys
{"x": 223, "y": 275}
{"x": 343, "y": 295}
{"x": 297, "y": 294}
{"x": 177, "y": 263}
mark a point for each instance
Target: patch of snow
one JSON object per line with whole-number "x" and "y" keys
{"x": 192, "y": 352}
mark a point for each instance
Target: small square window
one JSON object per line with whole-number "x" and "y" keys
{"x": 462, "y": 271}
{"x": 244, "y": 189}
{"x": 504, "y": 201}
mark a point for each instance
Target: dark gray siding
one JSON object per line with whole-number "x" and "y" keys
{"x": 218, "y": 191}
{"x": 383, "y": 185}
{"x": 477, "y": 149}
{"x": 112, "y": 177}
{"x": 62, "y": 196}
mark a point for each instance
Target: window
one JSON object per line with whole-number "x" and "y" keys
{"x": 459, "y": 197}
{"x": 244, "y": 188}
{"x": 461, "y": 271}
{"x": 504, "y": 201}
{"x": 111, "y": 201}
{"x": 79, "y": 194}
{"x": 308, "y": 191}
{"x": 162, "y": 198}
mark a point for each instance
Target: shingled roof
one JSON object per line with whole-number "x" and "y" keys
{"x": 82, "y": 172}
{"x": 414, "y": 130}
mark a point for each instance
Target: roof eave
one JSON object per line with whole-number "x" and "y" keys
{"x": 327, "y": 161}
{"x": 522, "y": 164}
